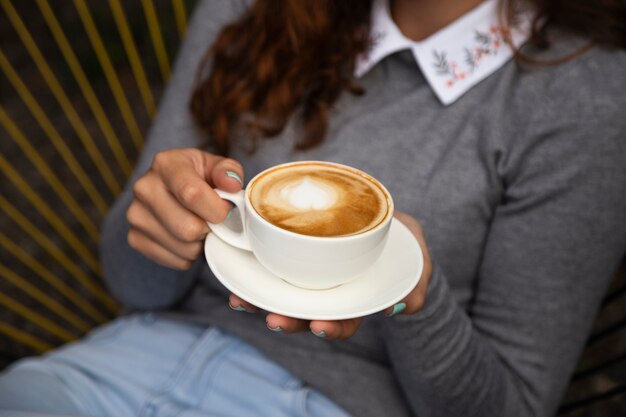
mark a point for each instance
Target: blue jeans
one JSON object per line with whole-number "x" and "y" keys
{"x": 150, "y": 366}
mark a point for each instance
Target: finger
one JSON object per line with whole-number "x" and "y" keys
{"x": 183, "y": 224}
{"x": 141, "y": 218}
{"x": 417, "y": 298}
{"x": 335, "y": 329}
{"x": 414, "y": 302}
{"x": 184, "y": 177}
{"x": 227, "y": 175}
{"x": 279, "y": 323}
{"x": 395, "y": 309}
{"x": 239, "y": 304}
{"x": 155, "y": 252}
{"x": 416, "y": 229}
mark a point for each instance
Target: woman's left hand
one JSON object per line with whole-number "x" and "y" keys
{"x": 344, "y": 329}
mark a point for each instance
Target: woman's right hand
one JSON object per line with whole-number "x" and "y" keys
{"x": 174, "y": 200}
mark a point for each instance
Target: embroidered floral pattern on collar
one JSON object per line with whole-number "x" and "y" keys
{"x": 454, "y": 59}
{"x": 485, "y": 44}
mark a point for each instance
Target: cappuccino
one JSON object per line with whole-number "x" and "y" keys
{"x": 318, "y": 199}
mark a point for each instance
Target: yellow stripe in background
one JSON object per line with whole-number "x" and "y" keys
{"x": 53, "y": 135}
{"x": 49, "y": 175}
{"x": 58, "y": 254}
{"x": 44, "y": 209}
{"x": 44, "y": 299}
{"x": 37, "y": 319}
{"x": 133, "y": 56}
{"x": 54, "y": 281}
{"x": 61, "y": 97}
{"x": 92, "y": 101}
{"x": 181, "y": 17}
{"x": 157, "y": 39}
{"x": 109, "y": 72}
{"x": 25, "y": 338}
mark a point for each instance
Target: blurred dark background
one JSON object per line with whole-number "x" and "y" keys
{"x": 79, "y": 84}
{"x": 81, "y": 78}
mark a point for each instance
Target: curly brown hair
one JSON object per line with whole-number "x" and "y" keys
{"x": 287, "y": 58}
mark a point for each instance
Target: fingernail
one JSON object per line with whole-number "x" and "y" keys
{"x": 398, "y": 308}
{"x": 238, "y": 308}
{"x": 229, "y": 213}
{"x": 274, "y": 329}
{"x": 319, "y": 334}
{"x": 234, "y": 176}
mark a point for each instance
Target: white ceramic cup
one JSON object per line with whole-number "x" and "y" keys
{"x": 310, "y": 262}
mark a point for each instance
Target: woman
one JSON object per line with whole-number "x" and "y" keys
{"x": 499, "y": 127}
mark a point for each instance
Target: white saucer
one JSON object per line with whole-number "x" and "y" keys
{"x": 388, "y": 281}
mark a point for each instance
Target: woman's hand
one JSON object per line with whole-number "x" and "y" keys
{"x": 175, "y": 199}
{"x": 344, "y": 329}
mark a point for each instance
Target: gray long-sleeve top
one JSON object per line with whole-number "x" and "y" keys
{"x": 521, "y": 188}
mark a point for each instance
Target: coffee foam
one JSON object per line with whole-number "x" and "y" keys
{"x": 319, "y": 200}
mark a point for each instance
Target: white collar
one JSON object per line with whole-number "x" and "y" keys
{"x": 455, "y": 58}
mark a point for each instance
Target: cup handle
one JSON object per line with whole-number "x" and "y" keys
{"x": 237, "y": 239}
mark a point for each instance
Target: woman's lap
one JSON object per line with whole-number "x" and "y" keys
{"x": 147, "y": 366}
{"x": 17, "y": 392}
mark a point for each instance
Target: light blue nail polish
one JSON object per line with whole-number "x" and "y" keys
{"x": 319, "y": 334}
{"x": 229, "y": 213}
{"x": 275, "y": 329}
{"x": 234, "y": 176}
{"x": 398, "y": 308}
{"x": 238, "y": 308}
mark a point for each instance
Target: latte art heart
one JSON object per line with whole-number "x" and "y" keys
{"x": 306, "y": 194}
{"x": 319, "y": 200}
